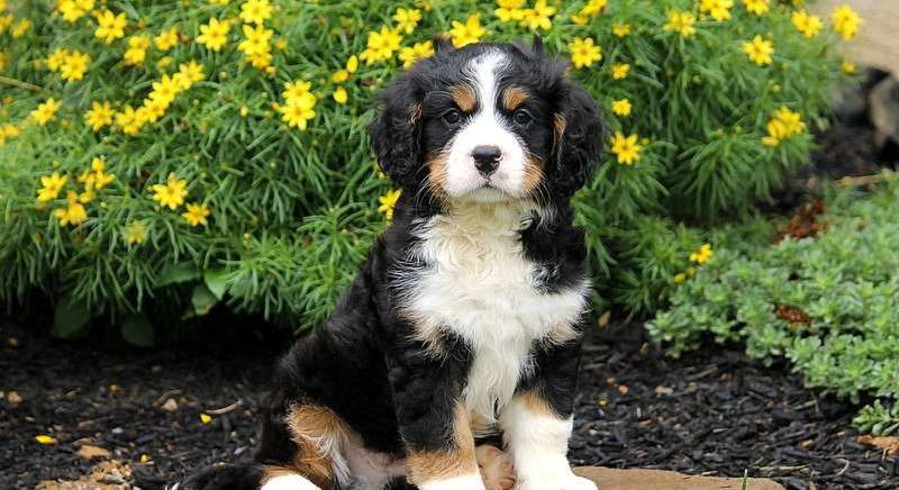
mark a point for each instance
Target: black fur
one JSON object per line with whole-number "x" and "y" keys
{"x": 362, "y": 364}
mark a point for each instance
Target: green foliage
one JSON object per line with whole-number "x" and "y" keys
{"x": 293, "y": 211}
{"x": 827, "y": 304}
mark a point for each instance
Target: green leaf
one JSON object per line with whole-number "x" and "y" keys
{"x": 137, "y": 330}
{"x": 217, "y": 282}
{"x": 203, "y": 300}
{"x": 177, "y": 274}
{"x": 70, "y": 319}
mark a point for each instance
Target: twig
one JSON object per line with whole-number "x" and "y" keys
{"x": 20, "y": 84}
{"x": 165, "y": 396}
{"x": 224, "y": 410}
{"x": 863, "y": 180}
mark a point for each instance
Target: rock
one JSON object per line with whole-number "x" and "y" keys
{"x": 170, "y": 405}
{"x": 889, "y": 444}
{"x": 610, "y": 479}
{"x": 14, "y": 397}
{"x": 884, "y": 112}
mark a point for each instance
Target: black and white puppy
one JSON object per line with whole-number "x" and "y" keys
{"x": 465, "y": 319}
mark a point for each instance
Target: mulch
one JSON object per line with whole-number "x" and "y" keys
{"x": 712, "y": 412}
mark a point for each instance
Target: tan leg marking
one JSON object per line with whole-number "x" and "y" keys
{"x": 319, "y": 434}
{"x": 428, "y": 466}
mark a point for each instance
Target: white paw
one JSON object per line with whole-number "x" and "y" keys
{"x": 463, "y": 482}
{"x": 568, "y": 481}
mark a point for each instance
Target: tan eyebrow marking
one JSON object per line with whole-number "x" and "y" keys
{"x": 464, "y": 97}
{"x": 513, "y": 97}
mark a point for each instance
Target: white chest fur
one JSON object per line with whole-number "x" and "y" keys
{"x": 481, "y": 287}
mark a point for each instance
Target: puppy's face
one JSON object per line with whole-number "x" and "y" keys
{"x": 488, "y": 123}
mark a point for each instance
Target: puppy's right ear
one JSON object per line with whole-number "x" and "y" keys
{"x": 396, "y": 132}
{"x": 443, "y": 44}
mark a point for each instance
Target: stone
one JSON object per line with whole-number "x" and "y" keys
{"x": 884, "y": 111}
{"x": 611, "y": 479}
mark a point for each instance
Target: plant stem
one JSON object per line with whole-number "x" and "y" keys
{"x": 18, "y": 83}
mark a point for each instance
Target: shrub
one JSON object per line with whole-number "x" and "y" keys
{"x": 826, "y": 303}
{"x": 184, "y": 153}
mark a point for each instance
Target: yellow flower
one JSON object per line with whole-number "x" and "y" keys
{"x": 620, "y": 71}
{"x": 341, "y": 76}
{"x": 167, "y": 39}
{"x": 136, "y": 233}
{"x": 45, "y": 439}
{"x": 626, "y": 148}
{"x": 297, "y": 112}
{"x": 352, "y": 64}
{"x": 74, "y": 66}
{"x": 255, "y": 11}
{"x": 51, "y": 186}
{"x": 470, "y": 32}
{"x": 718, "y": 9}
{"x": 99, "y": 116}
{"x": 848, "y": 67}
{"x": 509, "y": 10}
{"x": 196, "y": 214}
{"x": 6, "y": 20}
{"x": 218, "y": 2}
{"x": 584, "y": 52}
{"x": 757, "y": 7}
{"x": 170, "y": 194}
{"x": 381, "y": 45}
{"x": 110, "y": 26}
{"x": 703, "y": 255}
{"x": 205, "y": 418}
{"x": 57, "y": 58}
{"x": 682, "y": 23}
{"x": 257, "y": 40}
{"x": 388, "y": 203}
{"x": 594, "y": 7}
{"x": 129, "y": 121}
{"x": 298, "y": 90}
{"x": 809, "y": 25}
{"x": 100, "y": 178}
{"x": 137, "y": 50}
{"x": 621, "y": 30}
{"x": 72, "y": 10}
{"x": 783, "y": 125}
{"x": 45, "y": 111}
{"x": 74, "y": 212}
{"x": 165, "y": 90}
{"x": 846, "y": 22}
{"x": 188, "y": 74}
{"x": 8, "y": 131}
{"x": 418, "y": 51}
{"x": 538, "y": 17}
{"x": 759, "y": 50}
{"x": 340, "y": 95}
{"x": 407, "y": 19}
{"x": 621, "y": 107}
{"x": 20, "y": 28}
{"x": 215, "y": 34}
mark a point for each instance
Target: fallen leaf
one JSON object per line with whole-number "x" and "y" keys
{"x": 170, "y": 405}
{"x": 14, "y": 397}
{"x": 888, "y": 444}
{"x": 144, "y": 458}
{"x": 205, "y": 418}
{"x": 604, "y": 319}
{"x": 88, "y": 451}
{"x": 45, "y": 439}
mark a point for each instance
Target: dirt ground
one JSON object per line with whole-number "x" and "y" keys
{"x": 877, "y": 43}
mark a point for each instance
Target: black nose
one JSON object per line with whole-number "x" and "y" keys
{"x": 486, "y": 158}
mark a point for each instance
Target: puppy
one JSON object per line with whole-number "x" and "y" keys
{"x": 464, "y": 322}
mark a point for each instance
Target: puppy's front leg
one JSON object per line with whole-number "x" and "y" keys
{"x": 433, "y": 423}
{"x": 537, "y": 423}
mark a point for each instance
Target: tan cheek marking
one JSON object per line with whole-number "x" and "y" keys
{"x": 558, "y": 128}
{"x": 464, "y": 97}
{"x": 533, "y": 174}
{"x": 437, "y": 175}
{"x": 513, "y": 97}
{"x": 426, "y": 466}
{"x": 313, "y": 428}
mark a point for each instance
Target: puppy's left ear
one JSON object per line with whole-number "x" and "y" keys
{"x": 395, "y": 133}
{"x": 579, "y": 133}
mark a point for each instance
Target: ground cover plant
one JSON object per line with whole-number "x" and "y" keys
{"x": 823, "y": 297}
{"x": 169, "y": 156}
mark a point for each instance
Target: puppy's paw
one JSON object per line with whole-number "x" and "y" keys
{"x": 564, "y": 481}
{"x": 463, "y": 482}
{"x": 496, "y": 468}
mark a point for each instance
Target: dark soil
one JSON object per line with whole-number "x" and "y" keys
{"x": 712, "y": 412}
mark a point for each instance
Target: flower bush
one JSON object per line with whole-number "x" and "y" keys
{"x": 827, "y": 303}
{"x": 167, "y": 156}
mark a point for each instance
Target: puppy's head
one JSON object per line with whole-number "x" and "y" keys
{"x": 488, "y": 123}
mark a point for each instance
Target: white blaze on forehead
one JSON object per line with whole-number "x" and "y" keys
{"x": 485, "y": 127}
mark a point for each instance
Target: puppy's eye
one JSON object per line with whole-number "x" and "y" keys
{"x": 522, "y": 117}
{"x": 452, "y": 116}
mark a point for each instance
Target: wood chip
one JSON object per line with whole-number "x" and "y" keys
{"x": 14, "y": 397}
{"x": 170, "y": 405}
{"x": 888, "y": 444}
{"x": 89, "y": 452}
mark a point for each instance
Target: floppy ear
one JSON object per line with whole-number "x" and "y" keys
{"x": 395, "y": 133}
{"x": 579, "y": 133}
